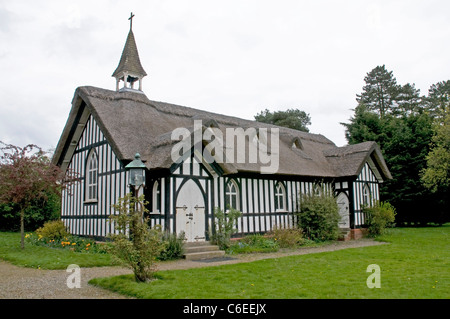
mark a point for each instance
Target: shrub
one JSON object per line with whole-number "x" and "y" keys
{"x": 223, "y": 227}
{"x": 380, "y": 216}
{"x": 319, "y": 215}
{"x": 53, "y": 230}
{"x": 173, "y": 246}
{"x": 35, "y": 216}
{"x": 255, "y": 243}
{"x": 135, "y": 245}
{"x": 287, "y": 237}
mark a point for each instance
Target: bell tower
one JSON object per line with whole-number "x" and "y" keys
{"x": 129, "y": 69}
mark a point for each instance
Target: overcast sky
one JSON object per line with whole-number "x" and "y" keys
{"x": 230, "y": 57}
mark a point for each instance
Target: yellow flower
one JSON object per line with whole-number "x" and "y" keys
{"x": 73, "y": 244}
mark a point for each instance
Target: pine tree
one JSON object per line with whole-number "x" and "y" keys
{"x": 438, "y": 99}
{"x": 408, "y": 100}
{"x": 380, "y": 92}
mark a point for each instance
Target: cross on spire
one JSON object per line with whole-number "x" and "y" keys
{"x": 131, "y": 20}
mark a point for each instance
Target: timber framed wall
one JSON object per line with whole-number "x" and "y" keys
{"x": 256, "y": 198}
{"x": 90, "y": 218}
{"x": 365, "y": 192}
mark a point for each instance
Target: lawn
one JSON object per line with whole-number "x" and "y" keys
{"x": 415, "y": 264}
{"x": 44, "y": 257}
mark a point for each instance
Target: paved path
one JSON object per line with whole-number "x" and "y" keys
{"x": 19, "y": 282}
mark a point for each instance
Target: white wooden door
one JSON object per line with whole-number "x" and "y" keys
{"x": 190, "y": 212}
{"x": 344, "y": 210}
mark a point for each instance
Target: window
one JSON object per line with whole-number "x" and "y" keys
{"x": 366, "y": 196}
{"x": 280, "y": 197}
{"x": 317, "y": 189}
{"x": 91, "y": 177}
{"x": 231, "y": 195}
{"x": 156, "y": 198}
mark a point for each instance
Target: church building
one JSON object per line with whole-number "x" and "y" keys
{"x": 196, "y": 161}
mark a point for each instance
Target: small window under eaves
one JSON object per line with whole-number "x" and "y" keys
{"x": 297, "y": 144}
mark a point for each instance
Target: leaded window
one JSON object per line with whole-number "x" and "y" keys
{"x": 231, "y": 195}
{"x": 91, "y": 177}
{"x": 280, "y": 197}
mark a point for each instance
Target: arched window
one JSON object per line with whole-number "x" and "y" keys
{"x": 156, "y": 197}
{"x": 367, "y": 201}
{"x": 280, "y": 197}
{"x": 231, "y": 195}
{"x": 91, "y": 177}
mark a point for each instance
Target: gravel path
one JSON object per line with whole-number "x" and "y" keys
{"x": 28, "y": 283}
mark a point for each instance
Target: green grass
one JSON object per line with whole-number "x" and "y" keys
{"x": 416, "y": 264}
{"x": 44, "y": 257}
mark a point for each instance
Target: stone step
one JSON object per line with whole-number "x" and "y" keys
{"x": 204, "y": 255}
{"x": 344, "y": 234}
{"x": 197, "y": 244}
{"x": 202, "y": 250}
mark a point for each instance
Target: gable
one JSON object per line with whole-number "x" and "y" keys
{"x": 348, "y": 161}
{"x": 196, "y": 165}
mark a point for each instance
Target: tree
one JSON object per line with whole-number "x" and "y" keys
{"x": 380, "y": 91}
{"x": 436, "y": 175}
{"x": 27, "y": 176}
{"x": 399, "y": 120}
{"x": 365, "y": 126}
{"x": 438, "y": 99}
{"x": 405, "y": 147}
{"x": 408, "y": 100}
{"x": 291, "y": 118}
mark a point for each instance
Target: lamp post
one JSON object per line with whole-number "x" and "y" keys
{"x": 136, "y": 174}
{"x": 136, "y": 169}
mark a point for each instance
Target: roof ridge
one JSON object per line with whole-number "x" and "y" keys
{"x": 171, "y": 109}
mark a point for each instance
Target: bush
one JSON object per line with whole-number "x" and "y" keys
{"x": 53, "y": 230}
{"x": 253, "y": 244}
{"x": 173, "y": 246}
{"x": 380, "y": 216}
{"x": 135, "y": 245}
{"x": 35, "y": 216}
{"x": 287, "y": 237}
{"x": 319, "y": 216}
{"x": 223, "y": 227}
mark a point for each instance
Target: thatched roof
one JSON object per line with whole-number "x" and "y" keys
{"x": 348, "y": 160}
{"x": 132, "y": 123}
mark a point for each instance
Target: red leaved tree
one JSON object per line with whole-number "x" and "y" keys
{"x": 27, "y": 174}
